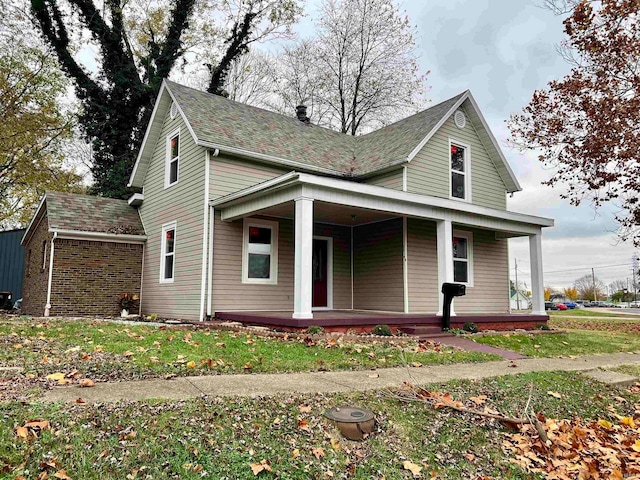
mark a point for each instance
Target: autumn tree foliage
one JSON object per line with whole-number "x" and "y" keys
{"x": 137, "y": 44}
{"x": 33, "y": 129}
{"x": 586, "y": 125}
{"x": 571, "y": 293}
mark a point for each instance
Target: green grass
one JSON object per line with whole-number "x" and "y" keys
{"x": 220, "y": 438}
{"x": 590, "y": 313}
{"x": 633, "y": 370}
{"x": 574, "y": 343}
{"x": 104, "y": 350}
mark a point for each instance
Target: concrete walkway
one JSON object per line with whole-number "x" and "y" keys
{"x": 325, "y": 382}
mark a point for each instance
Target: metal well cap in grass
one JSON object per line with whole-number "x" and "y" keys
{"x": 353, "y": 422}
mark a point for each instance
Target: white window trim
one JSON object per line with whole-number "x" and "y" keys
{"x": 163, "y": 246}
{"x": 45, "y": 244}
{"x": 168, "y": 159}
{"x": 469, "y": 236}
{"x": 273, "y": 263}
{"x": 467, "y": 170}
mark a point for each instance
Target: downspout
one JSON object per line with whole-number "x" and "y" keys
{"x": 352, "y": 263}
{"x": 205, "y": 236}
{"x": 212, "y": 221}
{"x": 47, "y": 307}
{"x": 144, "y": 248}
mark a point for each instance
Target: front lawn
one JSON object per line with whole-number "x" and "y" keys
{"x": 224, "y": 438}
{"x": 573, "y": 343}
{"x": 591, "y": 313}
{"x": 111, "y": 351}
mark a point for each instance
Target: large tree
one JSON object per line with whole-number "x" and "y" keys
{"x": 586, "y": 126}
{"x": 590, "y": 288}
{"x": 33, "y": 130}
{"x": 360, "y": 71}
{"x": 136, "y": 45}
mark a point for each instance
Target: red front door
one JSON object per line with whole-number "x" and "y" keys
{"x": 320, "y": 284}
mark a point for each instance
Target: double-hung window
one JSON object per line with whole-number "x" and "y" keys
{"x": 168, "y": 253}
{"x": 172, "y": 164}
{"x": 459, "y": 170}
{"x": 463, "y": 257}
{"x": 260, "y": 252}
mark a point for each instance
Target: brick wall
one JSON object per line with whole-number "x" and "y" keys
{"x": 89, "y": 276}
{"x": 36, "y": 278}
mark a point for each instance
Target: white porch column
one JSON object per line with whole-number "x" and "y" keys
{"x": 537, "y": 282}
{"x": 303, "y": 287}
{"x": 444, "y": 232}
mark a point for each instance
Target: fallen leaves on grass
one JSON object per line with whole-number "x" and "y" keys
{"x": 86, "y": 383}
{"x": 412, "y": 467}
{"x": 32, "y": 429}
{"x": 263, "y": 466}
{"x": 579, "y": 449}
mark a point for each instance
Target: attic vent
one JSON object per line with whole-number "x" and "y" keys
{"x": 459, "y": 119}
{"x": 174, "y": 110}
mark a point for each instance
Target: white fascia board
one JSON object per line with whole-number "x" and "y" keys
{"x": 136, "y": 199}
{"x": 36, "y": 215}
{"x": 164, "y": 88}
{"x": 383, "y": 198}
{"x": 269, "y": 158}
{"x": 444, "y": 118}
{"x": 98, "y": 236}
{"x": 494, "y": 142}
{"x": 372, "y": 190}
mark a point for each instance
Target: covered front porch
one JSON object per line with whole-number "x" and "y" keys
{"x": 364, "y": 320}
{"x": 388, "y": 252}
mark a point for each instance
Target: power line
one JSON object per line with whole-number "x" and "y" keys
{"x": 587, "y": 268}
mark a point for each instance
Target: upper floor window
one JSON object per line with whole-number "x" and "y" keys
{"x": 168, "y": 253}
{"x": 463, "y": 257}
{"x": 260, "y": 252}
{"x": 460, "y": 175}
{"x": 172, "y": 164}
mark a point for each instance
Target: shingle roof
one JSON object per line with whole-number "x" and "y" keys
{"x": 85, "y": 213}
{"x": 217, "y": 120}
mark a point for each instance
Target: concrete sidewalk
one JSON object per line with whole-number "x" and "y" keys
{"x": 325, "y": 382}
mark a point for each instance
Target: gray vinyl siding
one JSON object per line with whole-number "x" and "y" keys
{"x": 428, "y": 173}
{"x": 422, "y": 266}
{"x": 341, "y": 262}
{"x": 184, "y": 204}
{"x": 490, "y": 291}
{"x": 230, "y": 294}
{"x": 228, "y": 175}
{"x": 388, "y": 180}
{"x": 377, "y": 252}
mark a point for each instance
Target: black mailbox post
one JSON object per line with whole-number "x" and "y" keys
{"x": 450, "y": 290}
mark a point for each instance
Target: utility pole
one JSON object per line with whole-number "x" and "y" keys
{"x": 595, "y": 292}
{"x": 517, "y": 289}
{"x": 634, "y": 269}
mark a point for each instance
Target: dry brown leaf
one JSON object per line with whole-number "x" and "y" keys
{"x": 318, "y": 452}
{"x": 86, "y": 383}
{"x": 55, "y": 376}
{"x": 304, "y": 425}
{"x": 554, "y": 394}
{"x": 295, "y": 453}
{"x": 62, "y": 475}
{"x": 304, "y": 408}
{"x": 191, "y": 364}
{"x": 412, "y": 467}
{"x": 335, "y": 444}
{"x": 264, "y": 465}
{"x": 22, "y": 432}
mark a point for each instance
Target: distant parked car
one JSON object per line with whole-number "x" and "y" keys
{"x": 550, "y": 306}
{"x": 635, "y": 304}
{"x": 18, "y": 304}
{"x": 561, "y": 306}
{"x": 571, "y": 305}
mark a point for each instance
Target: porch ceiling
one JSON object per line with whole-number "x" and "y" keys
{"x": 324, "y": 212}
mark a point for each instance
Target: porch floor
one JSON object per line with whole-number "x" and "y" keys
{"x": 345, "y": 319}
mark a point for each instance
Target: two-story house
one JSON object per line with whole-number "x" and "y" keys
{"x": 259, "y": 217}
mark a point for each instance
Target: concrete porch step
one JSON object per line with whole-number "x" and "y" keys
{"x": 421, "y": 330}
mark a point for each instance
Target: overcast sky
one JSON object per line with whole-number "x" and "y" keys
{"x": 502, "y": 51}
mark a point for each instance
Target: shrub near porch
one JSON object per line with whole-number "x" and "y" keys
{"x": 113, "y": 351}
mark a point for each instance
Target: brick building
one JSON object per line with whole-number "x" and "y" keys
{"x": 82, "y": 252}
